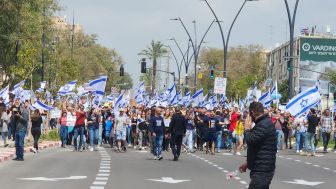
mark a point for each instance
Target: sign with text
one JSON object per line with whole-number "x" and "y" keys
{"x": 220, "y": 85}
{"x": 55, "y": 113}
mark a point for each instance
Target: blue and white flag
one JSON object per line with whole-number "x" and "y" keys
{"x": 119, "y": 101}
{"x": 302, "y": 102}
{"x": 141, "y": 88}
{"x": 4, "y": 93}
{"x": 222, "y": 98}
{"x": 67, "y": 88}
{"x": 266, "y": 99}
{"x": 171, "y": 93}
{"x": 187, "y": 99}
{"x": 41, "y": 106}
{"x": 197, "y": 98}
{"x": 18, "y": 88}
{"x": 98, "y": 85}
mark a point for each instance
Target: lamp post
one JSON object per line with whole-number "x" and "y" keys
{"x": 226, "y": 44}
{"x": 291, "y": 22}
{"x": 179, "y": 66}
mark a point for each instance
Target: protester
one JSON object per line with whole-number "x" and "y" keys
{"x": 239, "y": 135}
{"x": 79, "y": 128}
{"x": 64, "y": 129}
{"x": 261, "y": 151}
{"x": 120, "y": 130}
{"x": 312, "y": 122}
{"x": 188, "y": 139}
{"x": 143, "y": 129}
{"x": 4, "y": 121}
{"x": 177, "y": 129}
{"x": 93, "y": 126}
{"x": 36, "y": 120}
{"x": 326, "y": 128}
{"x": 213, "y": 122}
{"x": 157, "y": 128}
{"x": 134, "y": 129}
{"x": 233, "y": 124}
{"x": 21, "y": 116}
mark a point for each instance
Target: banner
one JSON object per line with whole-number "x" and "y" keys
{"x": 220, "y": 85}
{"x": 55, "y": 113}
{"x": 71, "y": 120}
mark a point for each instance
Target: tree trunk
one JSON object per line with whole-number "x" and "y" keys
{"x": 154, "y": 75}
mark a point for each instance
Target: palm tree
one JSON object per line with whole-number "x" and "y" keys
{"x": 154, "y": 52}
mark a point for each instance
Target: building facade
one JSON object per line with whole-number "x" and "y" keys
{"x": 314, "y": 58}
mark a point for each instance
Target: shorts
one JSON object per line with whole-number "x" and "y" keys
{"x": 121, "y": 135}
{"x": 239, "y": 137}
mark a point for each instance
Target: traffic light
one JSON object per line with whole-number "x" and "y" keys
{"x": 212, "y": 72}
{"x": 143, "y": 66}
{"x": 121, "y": 70}
{"x": 289, "y": 68}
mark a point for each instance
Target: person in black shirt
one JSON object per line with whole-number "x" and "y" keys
{"x": 36, "y": 120}
{"x": 261, "y": 151}
{"x": 312, "y": 122}
{"x": 177, "y": 129}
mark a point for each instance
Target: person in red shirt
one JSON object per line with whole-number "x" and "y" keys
{"x": 233, "y": 124}
{"x": 79, "y": 127}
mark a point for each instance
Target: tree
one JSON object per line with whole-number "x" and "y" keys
{"x": 154, "y": 52}
{"x": 283, "y": 90}
{"x": 332, "y": 78}
{"x": 245, "y": 66}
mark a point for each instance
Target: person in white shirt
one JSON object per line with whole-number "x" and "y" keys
{"x": 4, "y": 119}
{"x": 120, "y": 129}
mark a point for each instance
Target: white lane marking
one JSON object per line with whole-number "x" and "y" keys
{"x": 210, "y": 163}
{"x": 101, "y": 178}
{"x": 99, "y": 183}
{"x": 168, "y": 180}
{"x": 237, "y": 178}
{"x": 225, "y": 171}
{"x": 280, "y": 156}
{"x": 104, "y": 171}
{"x": 316, "y": 166}
{"x": 303, "y": 182}
{"x": 308, "y": 163}
{"x": 289, "y": 158}
{"x": 335, "y": 171}
{"x": 54, "y": 179}
{"x": 105, "y": 161}
{"x": 103, "y": 175}
{"x": 104, "y": 167}
{"x": 220, "y": 168}
{"x": 326, "y": 168}
{"x": 215, "y": 165}
{"x": 96, "y": 187}
{"x": 105, "y": 164}
{"x": 298, "y": 160}
{"x": 243, "y": 182}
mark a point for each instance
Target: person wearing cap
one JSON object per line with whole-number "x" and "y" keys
{"x": 177, "y": 130}
{"x": 120, "y": 130}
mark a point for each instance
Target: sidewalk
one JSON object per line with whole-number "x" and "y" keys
{"x": 8, "y": 153}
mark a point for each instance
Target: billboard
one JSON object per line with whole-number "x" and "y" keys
{"x": 317, "y": 56}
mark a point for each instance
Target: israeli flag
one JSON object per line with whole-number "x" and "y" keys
{"x": 41, "y": 106}
{"x": 197, "y": 98}
{"x": 119, "y": 101}
{"x": 67, "y": 88}
{"x": 18, "y": 88}
{"x": 302, "y": 102}
{"x": 187, "y": 99}
{"x": 222, "y": 98}
{"x": 172, "y": 93}
{"x": 266, "y": 99}
{"x": 4, "y": 93}
{"x": 98, "y": 85}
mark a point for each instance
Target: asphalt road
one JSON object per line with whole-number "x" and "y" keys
{"x": 61, "y": 168}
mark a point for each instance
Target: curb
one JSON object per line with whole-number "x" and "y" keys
{"x": 11, "y": 153}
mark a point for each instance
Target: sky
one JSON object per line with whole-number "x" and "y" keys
{"x": 128, "y": 26}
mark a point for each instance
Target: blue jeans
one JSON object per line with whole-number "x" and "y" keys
{"x": 219, "y": 140}
{"x": 279, "y": 135}
{"x": 158, "y": 145}
{"x": 100, "y": 134}
{"x": 78, "y": 131}
{"x": 309, "y": 141}
{"x": 129, "y": 140}
{"x": 19, "y": 143}
{"x": 299, "y": 138}
{"x": 64, "y": 134}
{"x": 94, "y": 135}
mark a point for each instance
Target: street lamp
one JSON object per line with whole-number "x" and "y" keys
{"x": 291, "y": 22}
{"x": 226, "y": 45}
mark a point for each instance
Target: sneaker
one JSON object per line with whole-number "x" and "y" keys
{"x": 91, "y": 149}
{"x": 34, "y": 150}
{"x": 313, "y": 154}
{"x": 160, "y": 158}
{"x": 238, "y": 154}
{"x": 156, "y": 158}
{"x": 135, "y": 147}
{"x": 297, "y": 151}
{"x": 302, "y": 153}
{"x": 175, "y": 158}
{"x": 130, "y": 145}
{"x": 75, "y": 150}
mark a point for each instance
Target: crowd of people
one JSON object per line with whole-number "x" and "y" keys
{"x": 161, "y": 129}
